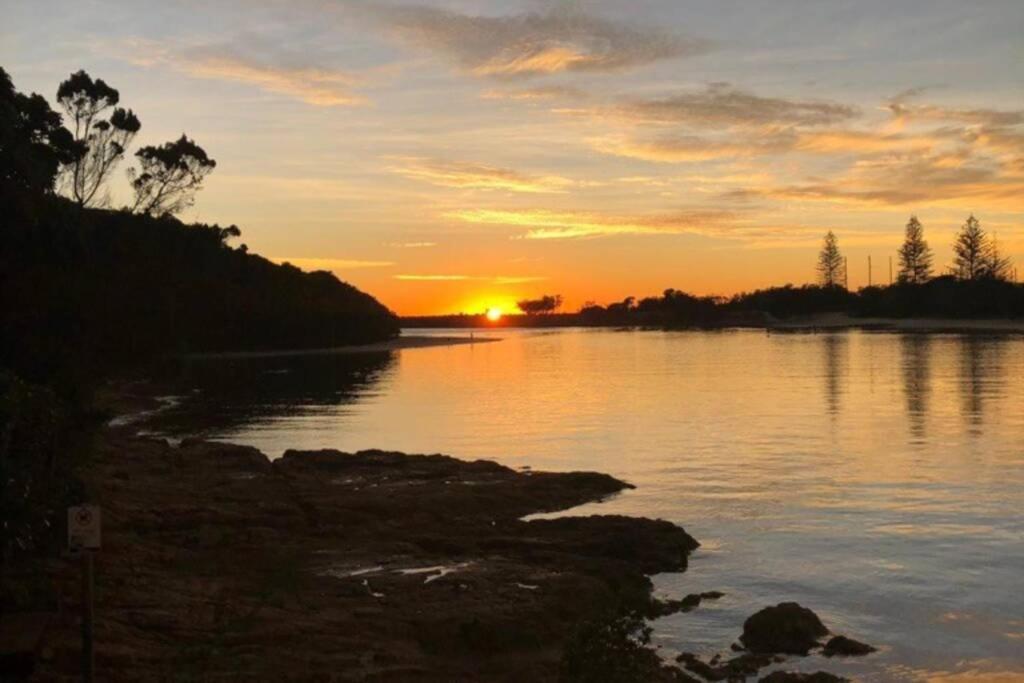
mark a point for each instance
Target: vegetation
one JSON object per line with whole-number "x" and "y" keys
{"x": 86, "y": 291}
{"x": 831, "y": 267}
{"x": 171, "y": 175}
{"x": 99, "y": 143}
{"x": 978, "y": 286}
{"x": 915, "y": 255}
{"x": 544, "y": 305}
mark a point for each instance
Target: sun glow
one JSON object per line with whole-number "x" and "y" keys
{"x": 494, "y": 314}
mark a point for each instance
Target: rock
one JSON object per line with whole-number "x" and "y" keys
{"x": 662, "y": 608}
{"x": 790, "y": 677}
{"x": 846, "y": 647}
{"x": 787, "y": 627}
{"x": 736, "y": 668}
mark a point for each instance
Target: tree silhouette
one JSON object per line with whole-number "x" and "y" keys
{"x": 830, "y": 262}
{"x": 170, "y": 176}
{"x": 998, "y": 266}
{"x": 33, "y": 143}
{"x": 100, "y": 142}
{"x": 545, "y": 304}
{"x": 970, "y": 250}
{"x": 915, "y": 255}
{"x": 976, "y": 256}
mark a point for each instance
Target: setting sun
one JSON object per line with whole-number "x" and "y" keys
{"x": 494, "y": 314}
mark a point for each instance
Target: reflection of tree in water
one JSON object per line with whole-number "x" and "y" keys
{"x": 224, "y": 394}
{"x": 981, "y": 375}
{"x": 917, "y": 380}
{"x": 834, "y": 350}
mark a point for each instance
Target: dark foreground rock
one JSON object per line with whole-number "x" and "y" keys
{"x": 220, "y": 565}
{"x": 846, "y": 647}
{"x": 787, "y": 628}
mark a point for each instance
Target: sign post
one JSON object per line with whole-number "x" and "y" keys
{"x": 84, "y": 538}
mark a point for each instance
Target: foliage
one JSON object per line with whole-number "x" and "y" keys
{"x": 170, "y": 176}
{"x": 976, "y": 255}
{"x": 85, "y": 290}
{"x": 788, "y": 301}
{"x": 33, "y": 143}
{"x": 546, "y": 304}
{"x": 94, "y": 288}
{"x": 36, "y": 483}
{"x": 915, "y": 255}
{"x": 100, "y": 143}
{"x": 831, "y": 270}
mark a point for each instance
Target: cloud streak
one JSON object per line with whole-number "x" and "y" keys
{"x": 317, "y": 86}
{"x": 465, "y": 175}
{"x": 535, "y": 43}
{"x": 560, "y": 225}
{"x": 493, "y": 279}
{"x": 723, "y": 105}
{"x": 330, "y": 263}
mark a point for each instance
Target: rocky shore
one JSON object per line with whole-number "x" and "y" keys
{"x": 219, "y": 564}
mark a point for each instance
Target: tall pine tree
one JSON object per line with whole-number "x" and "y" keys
{"x": 830, "y": 262}
{"x": 915, "y": 255}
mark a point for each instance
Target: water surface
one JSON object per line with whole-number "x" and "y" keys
{"x": 876, "y": 478}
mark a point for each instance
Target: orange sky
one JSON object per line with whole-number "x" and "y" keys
{"x": 452, "y": 156}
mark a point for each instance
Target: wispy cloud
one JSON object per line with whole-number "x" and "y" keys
{"x": 536, "y": 43}
{"x": 547, "y": 225}
{"x": 431, "y": 278}
{"x": 695, "y": 148}
{"x": 903, "y": 109}
{"x": 947, "y": 179}
{"x": 493, "y": 279}
{"x": 737, "y": 227}
{"x": 330, "y": 263}
{"x": 410, "y": 245}
{"x": 477, "y": 176}
{"x": 539, "y": 93}
{"x": 721, "y": 104}
{"x": 319, "y": 86}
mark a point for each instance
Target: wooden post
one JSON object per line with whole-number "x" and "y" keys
{"x": 87, "y": 586}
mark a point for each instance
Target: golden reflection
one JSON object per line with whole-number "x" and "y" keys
{"x": 981, "y": 368}
{"x": 917, "y": 355}
{"x": 834, "y": 350}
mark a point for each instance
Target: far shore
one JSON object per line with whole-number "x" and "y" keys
{"x": 842, "y": 321}
{"x": 396, "y": 344}
{"x": 809, "y": 323}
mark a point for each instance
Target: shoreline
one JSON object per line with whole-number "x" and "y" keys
{"x": 396, "y": 344}
{"x": 841, "y": 321}
{"x": 220, "y": 563}
{"x": 823, "y": 322}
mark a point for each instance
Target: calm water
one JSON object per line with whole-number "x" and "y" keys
{"x": 876, "y": 478}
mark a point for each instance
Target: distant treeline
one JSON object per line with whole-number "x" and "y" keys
{"x": 941, "y": 297}
{"x": 977, "y": 285}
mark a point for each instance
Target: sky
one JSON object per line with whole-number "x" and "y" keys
{"x": 451, "y": 156}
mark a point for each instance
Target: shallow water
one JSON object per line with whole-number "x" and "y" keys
{"x": 876, "y": 478}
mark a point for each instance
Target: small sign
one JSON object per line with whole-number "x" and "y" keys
{"x": 84, "y": 527}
